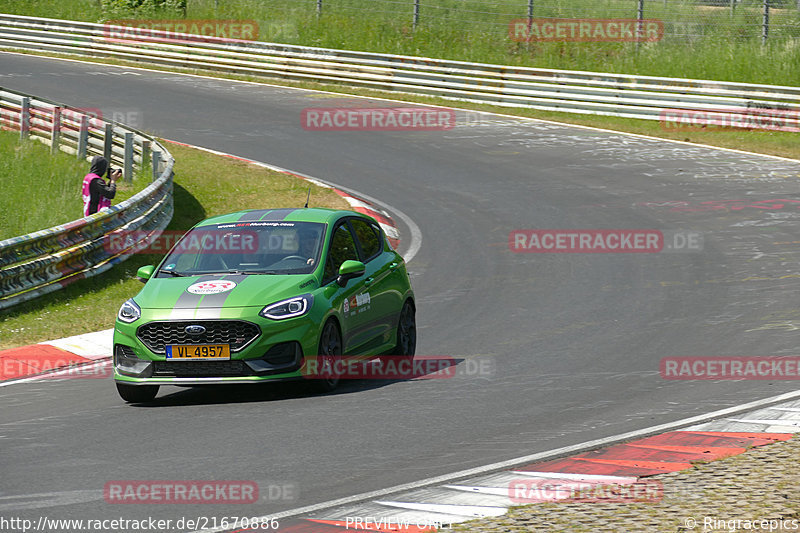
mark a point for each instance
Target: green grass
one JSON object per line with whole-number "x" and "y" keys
{"x": 701, "y": 41}
{"x": 205, "y": 185}
{"x": 40, "y": 190}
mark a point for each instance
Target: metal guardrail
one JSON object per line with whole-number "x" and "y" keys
{"x": 47, "y": 260}
{"x": 642, "y": 97}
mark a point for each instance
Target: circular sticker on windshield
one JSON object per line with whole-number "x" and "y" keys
{"x": 211, "y": 287}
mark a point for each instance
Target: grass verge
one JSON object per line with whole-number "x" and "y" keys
{"x": 700, "y": 41}
{"x": 42, "y": 190}
{"x": 205, "y": 185}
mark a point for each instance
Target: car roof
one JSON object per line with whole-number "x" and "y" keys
{"x": 303, "y": 214}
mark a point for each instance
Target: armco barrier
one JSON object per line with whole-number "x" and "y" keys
{"x": 47, "y": 260}
{"x": 643, "y": 97}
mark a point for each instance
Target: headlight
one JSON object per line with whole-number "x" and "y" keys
{"x": 293, "y": 307}
{"x": 129, "y": 312}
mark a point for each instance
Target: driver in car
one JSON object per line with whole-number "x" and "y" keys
{"x": 307, "y": 246}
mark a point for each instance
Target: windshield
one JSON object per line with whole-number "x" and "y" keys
{"x": 247, "y": 248}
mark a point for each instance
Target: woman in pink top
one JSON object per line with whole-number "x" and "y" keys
{"x": 97, "y": 194}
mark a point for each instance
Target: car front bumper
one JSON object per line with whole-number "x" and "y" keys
{"x": 275, "y": 354}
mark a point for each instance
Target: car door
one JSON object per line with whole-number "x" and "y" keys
{"x": 376, "y": 301}
{"x": 346, "y": 299}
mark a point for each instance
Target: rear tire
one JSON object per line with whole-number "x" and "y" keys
{"x": 406, "y": 331}
{"x": 137, "y": 393}
{"x": 329, "y": 352}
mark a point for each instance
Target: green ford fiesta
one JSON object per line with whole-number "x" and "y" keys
{"x": 258, "y": 296}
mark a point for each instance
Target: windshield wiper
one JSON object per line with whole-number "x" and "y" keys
{"x": 172, "y": 272}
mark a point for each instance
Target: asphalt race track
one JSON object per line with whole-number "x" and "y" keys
{"x": 574, "y": 340}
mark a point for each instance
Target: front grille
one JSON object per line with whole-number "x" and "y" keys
{"x": 237, "y": 333}
{"x": 200, "y": 369}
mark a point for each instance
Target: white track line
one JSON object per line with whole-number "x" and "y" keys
{"x": 768, "y": 421}
{"x": 383, "y": 99}
{"x": 540, "y": 456}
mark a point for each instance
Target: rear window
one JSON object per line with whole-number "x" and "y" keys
{"x": 368, "y": 237}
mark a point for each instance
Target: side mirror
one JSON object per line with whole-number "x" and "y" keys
{"x": 145, "y": 273}
{"x": 349, "y": 270}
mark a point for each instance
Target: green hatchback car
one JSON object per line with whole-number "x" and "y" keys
{"x": 253, "y": 296}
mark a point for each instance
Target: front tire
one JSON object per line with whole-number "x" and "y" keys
{"x": 329, "y": 352}
{"x": 137, "y": 393}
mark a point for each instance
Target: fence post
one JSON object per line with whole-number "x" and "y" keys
{"x": 639, "y": 24}
{"x": 83, "y": 137}
{"x": 127, "y": 163}
{"x": 319, "y": 7}
{"x": 765, "y": 24}
{"x": 145, "y": 154}
{"x": 25, "y": 118}
{"x": 156, "y": 164}
{"x": 530, "y": 12}
{"x": 416, "y": 13}
{"x": 108, "y": 141}
{"x": 55, "y": 130}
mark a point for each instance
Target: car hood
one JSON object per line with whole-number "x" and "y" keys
{"x": 228, "y": 290}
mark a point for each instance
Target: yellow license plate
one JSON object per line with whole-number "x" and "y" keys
{"x": 198, "y": 352}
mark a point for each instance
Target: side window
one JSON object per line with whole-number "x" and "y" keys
{"x": 343, "y": 247}
{"x": 367, "y": 237}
